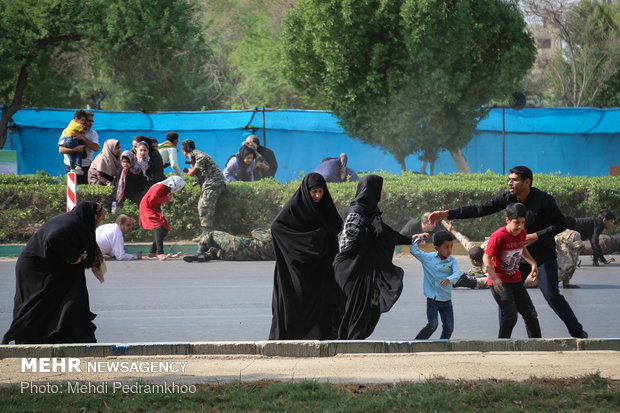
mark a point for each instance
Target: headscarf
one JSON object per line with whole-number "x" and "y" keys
{"x": 142, "y": 165}
{"x": 106, "y": 162}
{"x": 122, "y": 179}
{"x": 367, "y": 196}
{"x": 86, "y": 212}
{"x": 302, "y": 214}
{"x": 175, "y": 183}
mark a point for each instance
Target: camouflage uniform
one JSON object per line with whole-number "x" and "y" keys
{"x": 225, "y": 246}
{"x": 609, "y": 244}
{"x": 567, "y": 246}
{"x": 478, "y": 272}
{"x": 212, "y": 183}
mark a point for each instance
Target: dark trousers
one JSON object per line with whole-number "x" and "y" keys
{"x": 548, "y": 284}
{"x": 80, "y": 179}
{"x": 158, "y": 244}
{"x": 512, "y": 301}
{"x": 444, "y": 308}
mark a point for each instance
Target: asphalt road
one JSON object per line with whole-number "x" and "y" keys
{"x": 174, "y": 301}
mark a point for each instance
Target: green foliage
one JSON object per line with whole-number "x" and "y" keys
{"x": 128, "y": 54}
{"x": 153, "y": 51}
{"x": 589, "y": 61}
{"x": 245, "y": 37}
{"x": 590, "y": 393}
{"x": 407, "y": 76}
{"x": 244, "y": 206}
{"x": 609, "y": 96}
{"x": 31, "y": 33}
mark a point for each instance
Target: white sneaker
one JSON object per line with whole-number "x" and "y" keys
{"x": 78, "y": 170}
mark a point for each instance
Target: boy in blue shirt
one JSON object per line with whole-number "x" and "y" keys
{"x": 440, "y": 271}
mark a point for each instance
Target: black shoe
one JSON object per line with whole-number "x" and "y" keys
{"x": 466, "y": 281}
{"x": 202, "y": 257}
{"x": 583, "y": 334}
{"x": 190, "y": 258}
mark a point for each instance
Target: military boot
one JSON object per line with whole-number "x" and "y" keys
{"x": 199, "y": 256}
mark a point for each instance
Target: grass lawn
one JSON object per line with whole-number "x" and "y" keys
{"x": 591, "y": 393}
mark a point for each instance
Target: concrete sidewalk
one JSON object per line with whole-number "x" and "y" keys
{"x": 326, "y": 361}
{"x": 306, "y": 348}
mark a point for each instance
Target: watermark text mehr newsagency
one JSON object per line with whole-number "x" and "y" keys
{"x": 75, "y": 365}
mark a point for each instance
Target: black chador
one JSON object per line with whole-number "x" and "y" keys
{"x": 305, "y": 240}
{"x": 369, "y": 282}
{"x": 51, "y": 300}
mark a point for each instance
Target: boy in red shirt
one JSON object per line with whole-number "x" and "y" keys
{"x": 501, "y": 258}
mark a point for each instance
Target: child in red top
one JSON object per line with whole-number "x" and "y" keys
{"x": 501, "y": 258}
{"x": 151, "y": 213}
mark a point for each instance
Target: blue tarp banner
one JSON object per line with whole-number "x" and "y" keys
{"x": 575, "y": 141}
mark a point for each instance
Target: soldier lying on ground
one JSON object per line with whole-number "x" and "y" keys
{"x": 220, "y": 245}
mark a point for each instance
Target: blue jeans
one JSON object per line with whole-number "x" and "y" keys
{"x": 444, "y": 308}
{"x": 548, "y": 284}
{"x": 74, "y": 158}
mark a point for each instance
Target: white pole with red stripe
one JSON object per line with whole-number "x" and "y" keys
{"x": 71, "y": 190}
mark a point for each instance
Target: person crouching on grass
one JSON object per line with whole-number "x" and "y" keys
{"x": 501, "y": 258}
{"x": 152, "y": 216}
{"x": 440, "y": 272}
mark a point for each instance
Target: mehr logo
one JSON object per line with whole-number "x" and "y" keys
{"x": 51, "y": 365}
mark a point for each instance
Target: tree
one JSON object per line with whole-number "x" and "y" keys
{"x": 408, "y": 76}
{"x": 29, "y": 33}
{"x": 609, "y": 96}
{"x": 591, "y": 48}
{"x": 146, "y": 55}
{"x": 154, "y": 51}
{"x": 245, "y": 37}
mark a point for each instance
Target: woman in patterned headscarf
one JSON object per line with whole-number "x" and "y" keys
{"x": 363, "y": 268}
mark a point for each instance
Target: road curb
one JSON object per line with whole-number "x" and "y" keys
{"x": 308, "y": 348}
{"x": 186, "y": 247}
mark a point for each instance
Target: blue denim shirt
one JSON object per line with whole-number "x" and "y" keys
{"x": 435, "y": 270}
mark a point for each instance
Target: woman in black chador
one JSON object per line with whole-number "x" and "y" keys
{"x": 51, "y": 300}
{"x": 370, "y": 283}
{"x": 305, "y": 240}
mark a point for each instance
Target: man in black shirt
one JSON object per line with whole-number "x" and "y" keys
{"x": 544, "y": 220}
{"x": 417, "y": 226}
{"x": 590, "y": 229}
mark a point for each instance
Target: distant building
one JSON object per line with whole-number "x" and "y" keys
{"x": 547, "y": 40}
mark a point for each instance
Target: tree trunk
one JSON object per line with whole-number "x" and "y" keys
{"x": 460, "y": 161}
{"x": 423, "y": 169}
{"x": 403, "y": 167}
{"x": 8, "y": 113}
{"x": 432, "y": 167}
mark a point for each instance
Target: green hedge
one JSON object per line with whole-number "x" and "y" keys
{"x": 27, "y": 201}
